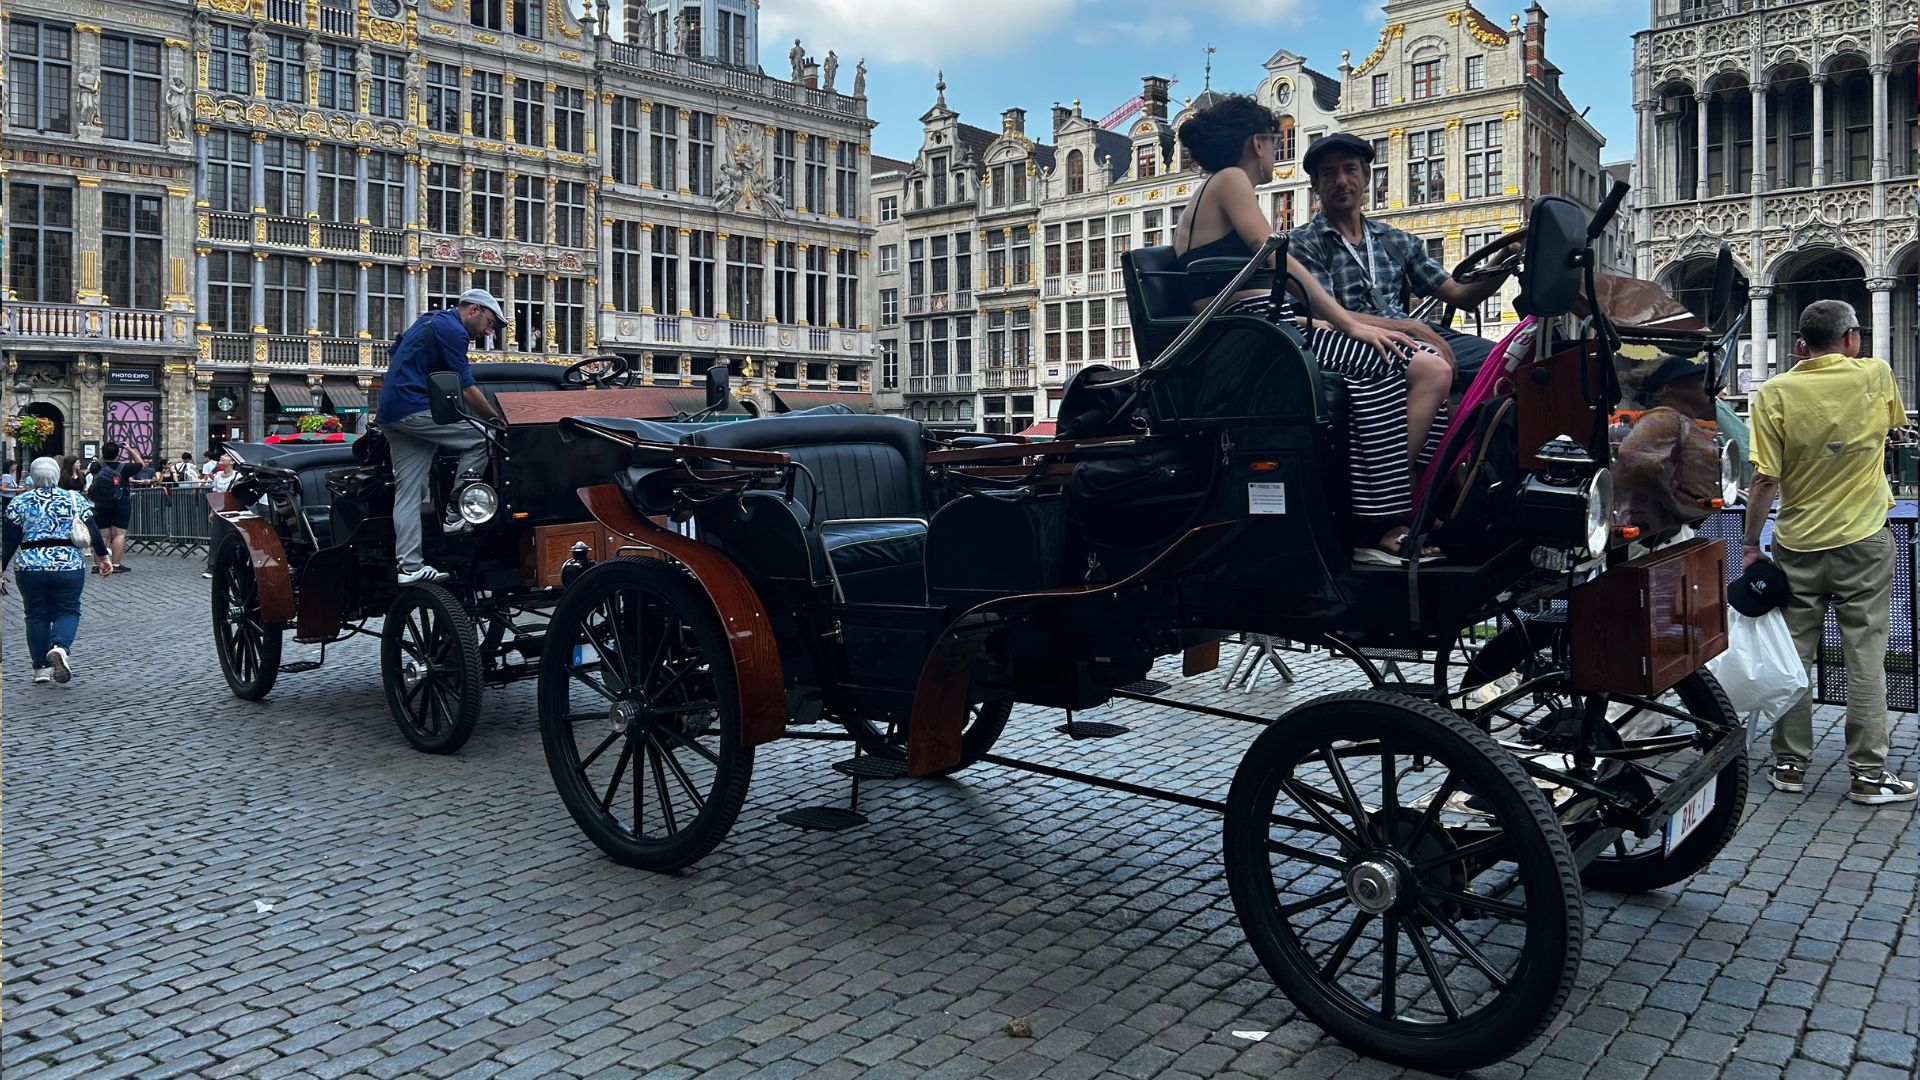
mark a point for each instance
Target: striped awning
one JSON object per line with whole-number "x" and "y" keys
{"x": 346, "y": 398}
{"x": 795, "y": 400}
{"x": 294, "y": 397}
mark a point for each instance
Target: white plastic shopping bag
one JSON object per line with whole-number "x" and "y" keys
{"x": 1760, "y": 670}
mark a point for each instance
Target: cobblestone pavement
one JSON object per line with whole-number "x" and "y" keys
{"x": 195, "y": 885}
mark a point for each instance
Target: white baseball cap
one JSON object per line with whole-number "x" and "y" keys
{"x": 484, "y": 299}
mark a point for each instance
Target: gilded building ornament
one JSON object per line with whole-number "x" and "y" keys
{"x": 1392, "y": 32}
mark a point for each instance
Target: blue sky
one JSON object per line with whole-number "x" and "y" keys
{"x": 1031, "y": 53}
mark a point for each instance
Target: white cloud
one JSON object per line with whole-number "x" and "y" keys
{"x": 927, "y": 32}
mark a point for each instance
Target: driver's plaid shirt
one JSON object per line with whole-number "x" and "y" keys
{"x": 1396, "y": 254}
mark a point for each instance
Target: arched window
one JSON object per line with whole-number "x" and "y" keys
{"x": 1076, "y": 172}
{"x": 1284, "y": 149}
{"x": 1849, "y": 122}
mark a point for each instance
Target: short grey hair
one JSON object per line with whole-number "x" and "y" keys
{"x": 1824, "y": 322}
{"x": 44, "y": 472}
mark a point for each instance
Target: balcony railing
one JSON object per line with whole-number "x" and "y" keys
{"x": 1693, "y": 11}
{"x": 916, "y": 305}
{"x": 739, "y": 80}
{"x": 666, "y": 328}
{"x": 695, "y": 332}
{"x": 296, "y": 351}
{"x": 819, "y": 340}
{"x": 88, "y": 323}
{"x": 290, "y": 12}
{"x": 234, "y": 228}
{"x": 336, "y": 17}
{"x": 305, "y": 234}
{"x": 750, "y": 335}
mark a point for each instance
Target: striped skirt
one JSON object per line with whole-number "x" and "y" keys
{"x": 1382, "y": 485}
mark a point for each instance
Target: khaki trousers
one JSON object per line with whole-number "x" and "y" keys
{"x": 1857, "y": 579}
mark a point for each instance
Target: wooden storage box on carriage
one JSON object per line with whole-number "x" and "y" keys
{"x": 1644, "y": 625}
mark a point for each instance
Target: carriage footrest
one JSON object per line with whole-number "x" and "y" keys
{"x": 1091, "y": 729}
{"x": 1145, "y": 686}
{"x": 823, "y": 818}
{"x": 869, "y": 767}
{"x": 298, "y": 666}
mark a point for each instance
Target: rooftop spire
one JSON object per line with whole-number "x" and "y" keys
{"x": 1208, "y": 83}
{"x": 940, "y": 89}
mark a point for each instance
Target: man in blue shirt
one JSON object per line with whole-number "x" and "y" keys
{"x": 1361, "y": 262}
{"x": 437, "y": 341}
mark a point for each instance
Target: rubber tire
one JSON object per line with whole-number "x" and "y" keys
{"x": 695, "y": 609}
{"x": 1645, "y": 871}
{"x": 1538, "y": 989}
{"x": 1648, "y": 870}
{"x": 232, "y": 550}
{"x": 466, "y": 664}
{"x": 976, "y": 739}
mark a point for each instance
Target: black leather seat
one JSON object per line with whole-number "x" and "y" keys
{"x": 1157, "y": 303}
{"x": 857, "y": 469}
{"x": 496, "y": 377}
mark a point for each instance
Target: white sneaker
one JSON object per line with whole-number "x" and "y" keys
{"x": 422, "y": 576}
{"x": 62, "y": 669}
{"x": 41, "y": 674}
{"x": 1882, "y": 789}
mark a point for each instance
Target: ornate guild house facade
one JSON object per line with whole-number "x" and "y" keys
{"x": 219, "y": 217}
{"x": 1788, "y": 131}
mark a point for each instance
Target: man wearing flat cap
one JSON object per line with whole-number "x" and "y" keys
{"x": 1362, "y": 262}
{"x": 437, "y": 341}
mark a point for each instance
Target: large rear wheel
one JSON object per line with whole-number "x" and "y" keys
{"x": 1403, "y": 881}
{"x": 430, "y": 664}
{"x": 248, "y": 646}
{"x": 640, "y": 714}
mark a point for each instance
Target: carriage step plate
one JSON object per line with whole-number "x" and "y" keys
{"x": 824, "y": 818}
{"x": 1091, "y": 729}
{"x": 1145, "y": 686}
{"x": 298, "y": 666}
{"x": 868, "y": 767}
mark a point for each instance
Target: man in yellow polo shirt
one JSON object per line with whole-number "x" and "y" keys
{"x": 1819, "y": 437}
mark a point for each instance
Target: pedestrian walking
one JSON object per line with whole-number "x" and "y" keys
{"x": 109, "y": 485}
{"x": 1818, "y": 433}
{"x": 49, "y": 567}
{"x": 437, "y": 341}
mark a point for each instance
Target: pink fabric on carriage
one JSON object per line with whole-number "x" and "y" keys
{"x": 1456, "y": 443}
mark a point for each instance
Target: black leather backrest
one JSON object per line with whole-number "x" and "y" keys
{"x": 495, "y": 377}
{"x": 1156, "y": 298}
{"x": 866, "y": 466}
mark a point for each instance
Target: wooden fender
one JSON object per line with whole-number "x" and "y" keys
{"x": 271, "y": 574}
{"x": 756, "y": 654}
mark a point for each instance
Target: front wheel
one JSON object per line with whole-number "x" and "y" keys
{"x": 248, "y": 645}
{"x": 1403, "y": 881}
{"x": 430, "y": 664}
{"x": 640, "y": 715}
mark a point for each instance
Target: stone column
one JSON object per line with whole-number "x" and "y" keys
{"x": 643, "y": 159}
{"x": 767, "y": 254}
{"x": 410, "y": 186}
{"x": 1880, "y": 296}
{"x": 257, "y": 408}
{"x": 410, "y": 304}
{"x": 360, "y": 299}
{"x": 313, "y": 294}
{"x": 1701, "y": 103}
{"x": 200, "y": 286}
{"x": 258, "y": 172}
{"x": 681, "y": 158}
{"x": 681, "y": 277}
{"x": 646, "y": 269}
{"x": 833, "y": 288}
{"x": 1880, "y": 72}
{"x": 1819, "y": 81}
{"x": 360, "y": 185}
{"x": 1757, "y": 327}
{"x": 506, "y": 338}
{"x": 259, "y": 297}
{"x": 1759, "y": 94}
{"x": 547, "y": 322}
{"x": 313, "y": 177}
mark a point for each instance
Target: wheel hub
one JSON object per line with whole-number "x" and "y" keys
{"x": 624, "y": 714}
{"x": 411, "y": 673}
{"x": 1374, "y": 885}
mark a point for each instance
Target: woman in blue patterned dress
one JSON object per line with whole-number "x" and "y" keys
{"x": 50, "y": 571}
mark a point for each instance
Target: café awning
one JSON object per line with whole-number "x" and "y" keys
{"x": 795, "y": 400}
{"x": 346, "y": 398}
{"x": 294, "y": 397}
{"x": 1040, "y": 430}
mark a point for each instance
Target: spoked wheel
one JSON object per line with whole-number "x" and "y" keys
{"x": 985, "y": 721}
{"x": 1403, "y": 881}
{"x": 640, "y": 714}
{"x": 1661, "y": 725}
{"x": 430, "y": 663}
{"x": 248, "y": 645}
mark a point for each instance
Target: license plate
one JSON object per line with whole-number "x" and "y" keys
{"x": 1689, "y": 816}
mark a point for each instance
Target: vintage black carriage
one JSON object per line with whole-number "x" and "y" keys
{"x": 303, "y": 545}
{"x": 1407, "y": 860}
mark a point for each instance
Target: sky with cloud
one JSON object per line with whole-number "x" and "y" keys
{"x": 998, "y": 54}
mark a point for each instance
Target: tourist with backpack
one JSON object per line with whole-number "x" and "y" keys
{"x": 108, "y": 489}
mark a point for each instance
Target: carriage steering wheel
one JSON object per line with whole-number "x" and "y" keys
{"x": 601, "y": 371}
{"x": 1468, "y": 270}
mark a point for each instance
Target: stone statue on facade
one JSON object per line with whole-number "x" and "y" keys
{"x": 413, "y": 77}
{"x": 681, "y": 31}
{"x": 257, "y": 43}
{"x": 87, "y": 96}
{"x": 797, "y": 56}
{"x": 742, "y": 183}
{"x": 179, "y": 108}
{"x": 831, "y": 69}
{"x": 646, "y": 33}
{"x": 363, "y": 63}
{"x": 310, "y": 52}
{"x": 860, "y": 78}
{"x": 202, "y": 41}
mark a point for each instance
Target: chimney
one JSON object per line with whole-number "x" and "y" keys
{"x": 810, "y": 74}
{"x": 1061, "y": 114}
{"x": 1153, "y": 97}
{"x": 1014, "y": 122}
{"x": 1536, "y": 43}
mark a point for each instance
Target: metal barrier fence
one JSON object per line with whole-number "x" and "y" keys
{"x": 169, "y": 520}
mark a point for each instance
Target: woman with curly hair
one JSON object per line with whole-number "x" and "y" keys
{"x": 1397, "y": 385}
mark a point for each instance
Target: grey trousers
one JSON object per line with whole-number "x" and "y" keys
{"x": 1857, "y": 579}
{"x": 413, "y": 440}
